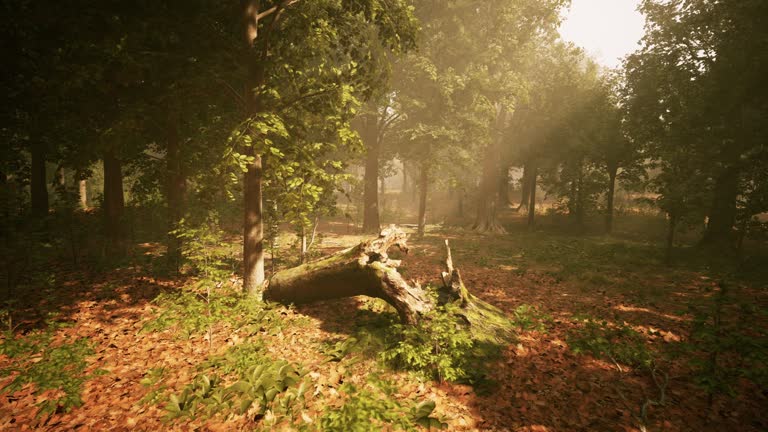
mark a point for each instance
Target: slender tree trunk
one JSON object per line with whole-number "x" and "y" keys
{"x": 612, "y": 170}
{"x": 114, "y": 202}
{"x": 39, "y": 186}
{"x": 405, "y": 181}
{"x": 670, "y": 239}
{"x": 580, "y": 196}
{"x": 525, "y": 188}
{"x": 486, "y": 221}
{"x": 722, "y": 214}
{"x": 371, "y": 223}
{"x": 503, "y": 198}
{"x": 61, "y": 176}
{"x": 176, "y": 189}
{"x": 532, "y": 197}
{"x": 253, "y": 228}
{"x": 460, "y": 204}
{"x": 5, "y": 200}
{"x": 253, "y": 214}
{"x": 83, "y": 188}
{"x": 743, "y": 227}
{"x": 402, "y": 198}
{"x": 423, "y": 185}
{"x": 383, "y": 193}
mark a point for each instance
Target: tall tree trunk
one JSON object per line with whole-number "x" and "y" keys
{"x": 176, "y": 189}
{"x": 405, "y": 181}
{"x": 722, "y": 214}
{"x": 503, "y": 198}
{"x": 39, "y": 186}
{"x": 670, "y": 239}
{"x": 303, "y": 238}
{"x": 383, "y": 193}
{"x": 612, "y": 170}
{"x": 525, "y": 188}
{"x": 401, "y": 200}
{"x": 532, "y": 197}
{"x": 253, "y": 228}
{"x": 423, "y": 185}
{"x": 83, "y": 189}
{"x": 371, "y": 223}
{"x": 460, "y": 204}
{"x": 486, "y": 221}
{"x": 5, "y": 200}
{"x": 580, "y": 196}
{"x": 61, "y": 176}
{"x": 253, "y": 215}
{"x": 114, "y": 202}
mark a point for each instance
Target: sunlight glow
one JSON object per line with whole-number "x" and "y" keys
{"x": 607, "y": 29}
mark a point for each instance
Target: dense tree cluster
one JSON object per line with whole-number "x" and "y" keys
{"x": 261, "y": 107}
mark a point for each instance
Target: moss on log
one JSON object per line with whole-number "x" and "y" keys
{"x": 366, "y": 269}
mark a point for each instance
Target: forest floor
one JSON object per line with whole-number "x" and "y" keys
{"x": 608, "y": 339}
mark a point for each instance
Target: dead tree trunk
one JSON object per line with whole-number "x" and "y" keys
{"x": 367, "y": 270}
{"x": 362, "y": 270}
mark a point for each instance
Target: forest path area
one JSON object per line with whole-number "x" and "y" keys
{"x": 607, "y": 339}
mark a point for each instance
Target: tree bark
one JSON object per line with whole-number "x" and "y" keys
{"x": 383, "y": 193}
{"x": 486, "y": 221}
{"x": 253, "y": 216}
{"x": 423, "y": 185}
{"x": 503, "y": 198}
{"x": 612, "y": 170}
{"x": 525, "y": 188}
{"x": 405, "y": 181}
{"x": 369, "y": 134}
{"x": 670, "y": 239}
{"x": 253, "y": 228}
{"x": 532, "y": 197}
{"x": 367, "y": 270}
{"x": 580, "y": 196}
{"x": 61, "y": 176}
{"x": 114, "y": 201}
{"x": 83, "y": 193}
{"x": 362, "y": 270}
{"x": 38, "y": 184}
{"x": 176, "y": 189}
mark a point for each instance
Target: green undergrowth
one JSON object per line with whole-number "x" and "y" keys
{"x": 191, "y": 311}
{"x": 439, "y": 347}
{"x": 615, "y": 342}
{"x": 725, "y": 347}
{"x": 374, "y": 406}
{"x": 527, "y": 317}
{"x": 49, "y": 363}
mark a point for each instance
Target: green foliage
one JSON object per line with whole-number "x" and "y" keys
{"x": 204, "y": 248}
{"x": 49, "y": 363}
{"x": 152, "y": 381}
{"x": 440, "y": 345}
{"x": 258, "y": 387}
{"x": 373, "y": 407}
{"x": 618, "y": 343}
{"x": 725, "y": 346}
{"x": 529, "y": 317}
{"x": 193, "y": 312}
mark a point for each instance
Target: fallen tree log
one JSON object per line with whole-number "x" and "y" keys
{"x": 366, "y": 269}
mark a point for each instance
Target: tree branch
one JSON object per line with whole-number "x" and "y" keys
{"x": 276, "y": 8}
